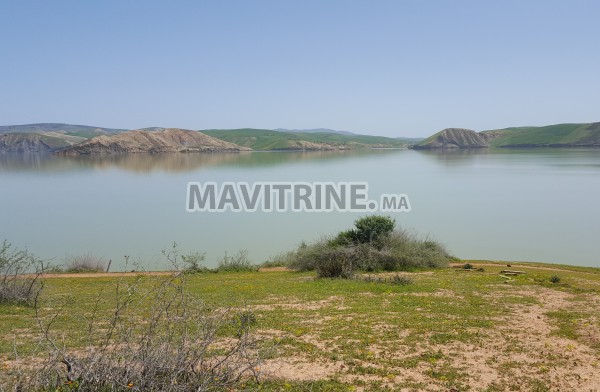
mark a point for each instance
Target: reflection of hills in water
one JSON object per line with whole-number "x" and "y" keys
{"x": 172, "y": 162}
{"x": 455, "y": 156}
{"x": 466, "y": 156}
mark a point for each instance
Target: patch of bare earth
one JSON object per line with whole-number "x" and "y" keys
{"x": 300, "y": 368}
{"x": 297, "y": 304}
{"x": 523, "y": 348}
{"x": 521, "y": 352}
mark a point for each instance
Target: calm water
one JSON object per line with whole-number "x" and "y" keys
{"x": 533, "y": 205}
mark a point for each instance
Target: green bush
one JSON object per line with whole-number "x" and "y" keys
{"x": 372, "y": 230}
{"x": 555, "y": 279}
{"x": 385, "y": 250}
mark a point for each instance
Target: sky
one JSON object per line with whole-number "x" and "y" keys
{"x": 392, "y": 68}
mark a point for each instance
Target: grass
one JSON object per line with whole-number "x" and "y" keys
{"x": 552, "y": 135}
{"x": 377, "y": 336}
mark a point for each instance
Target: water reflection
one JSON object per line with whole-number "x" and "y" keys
{"x": 550, "y": 156}
{"x": 175, "y": 162}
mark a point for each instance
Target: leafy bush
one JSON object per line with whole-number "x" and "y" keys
{"x": 371, "y": 246}
{"x": 20, "y": 274}
{"x": 372, "y": 230}
{"x": 236, "y": 263}
{"x": 468, "y": 266}
{"x": 555, "y": 279}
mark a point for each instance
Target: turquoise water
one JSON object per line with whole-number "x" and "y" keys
{"x": 518, "y": 205}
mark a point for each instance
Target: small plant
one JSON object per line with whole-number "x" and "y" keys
{"x": 20, "y": 274}
{"x": 193, "y": 262}
{"x": 236, "y": 263}
{"x": 555, "y": 279}
{"x": 468, "y": 266}
{"x": 84, "y": 263}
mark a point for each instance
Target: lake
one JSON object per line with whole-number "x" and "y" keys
{"x": 517, "y": 205}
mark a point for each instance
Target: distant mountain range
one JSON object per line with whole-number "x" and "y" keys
{"x": 314, "y": 130}
{"x": 559, "y": 135}
{"x": 266, "y": 139}
{"x": 84, "y": 139}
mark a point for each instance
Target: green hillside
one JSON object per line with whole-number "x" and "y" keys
{"x": 265, "y": 139}
{"x": 551, "y": 135}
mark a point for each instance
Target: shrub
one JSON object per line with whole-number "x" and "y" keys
{"x": 468, "y": 266}
{"x": 410, "y": 252}
{"x": 84, "y": 263}
{"x": 20, "y": 274}
{"x": 193, "y": 262}
{"x": 236, "y": 263}
{"x": 155, "y": 337}
{"x": 555, "y": 279}
{"x": 390, "y": 251}
{"x": 337, "y": 262}
{"x": 368, "y": 230}
{"x": 373, "y": 229}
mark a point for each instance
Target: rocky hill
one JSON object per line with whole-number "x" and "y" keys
{"x": 454, "y": 138}
{"x": 140, "y": 141}
{"x": 558, "y": 135}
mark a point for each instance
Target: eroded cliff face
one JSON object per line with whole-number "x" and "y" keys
{"x": 454, "y": 138}
{"x": 140, "y": 141}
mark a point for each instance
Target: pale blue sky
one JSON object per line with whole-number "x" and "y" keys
{"x": 396, "y": 68}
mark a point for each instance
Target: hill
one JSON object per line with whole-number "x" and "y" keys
{"x": 559, "y": 135}
{"x": 23, "y": 142}
{"x": 266, "y": 139}
{"x": 85, "y": 131}
{"x": 454, "y": 138}
{"x": 139, "y": 141}
{"x": 314, "y": 130}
